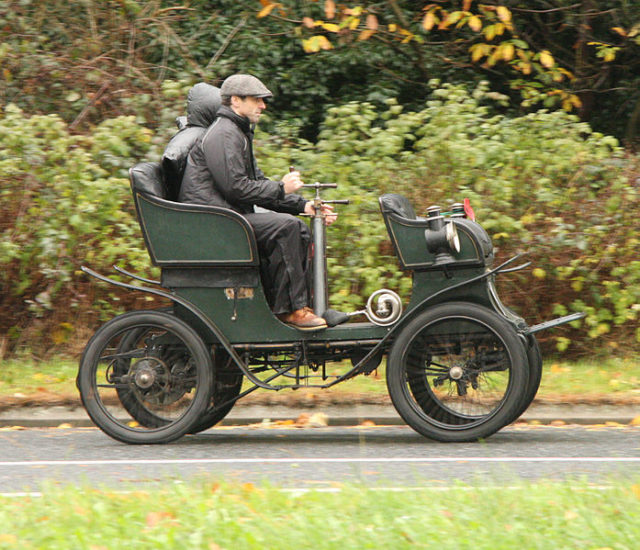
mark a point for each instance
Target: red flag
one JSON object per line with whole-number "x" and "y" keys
{"x": 469, "y": 211}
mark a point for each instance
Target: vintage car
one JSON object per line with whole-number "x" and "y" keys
{"x": 460, "y": 365}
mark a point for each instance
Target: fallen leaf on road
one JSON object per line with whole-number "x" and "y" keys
{"x": 367, "y": 423}
{"x": 318, "y": 420}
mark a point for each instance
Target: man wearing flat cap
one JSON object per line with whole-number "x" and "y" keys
{"x": 221, "y": 171}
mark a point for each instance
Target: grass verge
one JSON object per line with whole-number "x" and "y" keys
{"x": 27, "y": 382}
{"x": 212, "y": 515}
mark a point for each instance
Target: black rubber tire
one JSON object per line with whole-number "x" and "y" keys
{"x": 445, "y": 331}
{"x": 534, "y": 359}
{"x": 226, "y": 386}
{"x": 103, "y": 347}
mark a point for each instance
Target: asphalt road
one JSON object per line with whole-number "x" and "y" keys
{"x": 393, "y": 456}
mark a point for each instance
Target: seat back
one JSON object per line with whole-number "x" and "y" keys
{"x": 189, "y": 235}
{"x": 391, "y": 203}
{"x": 147, "y": 178}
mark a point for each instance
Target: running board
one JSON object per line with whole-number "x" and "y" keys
{"x": 556, "y": 322}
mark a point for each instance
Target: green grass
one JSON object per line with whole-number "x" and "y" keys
{"x": 29, "y": 377}
{"x": 211, "y": 515}
{"x": 617, "y": 377}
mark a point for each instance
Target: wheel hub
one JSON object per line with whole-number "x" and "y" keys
{"x": 455, "y": 373}
{"x": 145, "y": 375}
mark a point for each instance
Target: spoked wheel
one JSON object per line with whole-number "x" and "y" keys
{"x": 457, "y": 372}
{"x": 226, "y": 386}
{"x": 145, "y": 377}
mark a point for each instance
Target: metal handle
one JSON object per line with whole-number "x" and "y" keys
{"x": 318, "y": 185}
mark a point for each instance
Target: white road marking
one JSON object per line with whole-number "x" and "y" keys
{"x": 319, "y": 460}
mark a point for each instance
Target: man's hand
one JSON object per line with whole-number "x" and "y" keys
{"x": 292, "y": 182}
{"x": 327, "y": 210}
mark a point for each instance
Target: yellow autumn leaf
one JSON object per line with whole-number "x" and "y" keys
{"x": 365, "y": 35}
{"x": 316, "y": 43}
{"x": 575, "y": 101}
{"x": 478, "y": 51}
{"x": 610, "y": 55}
{"x": 331, "y": 27}
{"x": 353, "y": 25}
{"x": 546, "y": 59}
{"x": 503, "y": 14}
{"x": 268, "y": 9}
{"x": 453, "y": 17}
{"x": 429, "y": 21}
{"x": 475, "y": 24}
{"x": 324, "y": 43}
{"x": 393, "y": 27}
{"x": 330, "y": 9}
{"x": 508, "y": 51}
{"x": 619, "y": 30}
{"x": 539, "y": 273}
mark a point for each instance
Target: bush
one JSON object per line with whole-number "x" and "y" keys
{"x": 66, "y": 202}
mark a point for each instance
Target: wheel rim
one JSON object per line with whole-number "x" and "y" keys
{"x": 457, "y": 372}
{"x": 144, "y": 377}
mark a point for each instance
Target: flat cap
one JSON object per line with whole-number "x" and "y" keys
{"x": 244, "y": 85}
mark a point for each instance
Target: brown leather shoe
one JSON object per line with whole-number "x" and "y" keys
{"x": 303, "y": 319}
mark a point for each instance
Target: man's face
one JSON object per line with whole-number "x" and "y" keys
{"x": 251, "y": 107}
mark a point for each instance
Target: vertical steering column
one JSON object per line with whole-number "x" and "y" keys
{"x": 319, "y": 264}
{"x": 320, "y": 292}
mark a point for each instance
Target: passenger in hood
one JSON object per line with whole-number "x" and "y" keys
{"x": 203, "y": 102}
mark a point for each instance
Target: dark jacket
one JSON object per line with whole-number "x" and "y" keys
{"x": 203, "y": 102}
{"x": 221, "y": 171}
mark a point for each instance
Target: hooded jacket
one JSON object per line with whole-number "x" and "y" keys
{"x": 221, "y": 171}
{"x": 203, "y": 102}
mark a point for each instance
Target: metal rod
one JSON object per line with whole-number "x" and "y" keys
{"x": 319, "y": 265}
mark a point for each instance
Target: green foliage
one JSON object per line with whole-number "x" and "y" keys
{"x": 94, "y": 60}
{"x": 65, "y": 202}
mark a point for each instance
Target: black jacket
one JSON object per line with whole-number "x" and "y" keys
{"x": 221, "y": 171}
{"x": 203, "y": 101}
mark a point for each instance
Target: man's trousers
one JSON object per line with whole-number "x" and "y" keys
{"x": 283, "y": 245}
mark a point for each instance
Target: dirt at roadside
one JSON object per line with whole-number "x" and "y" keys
{"x": 313, "y": 398}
